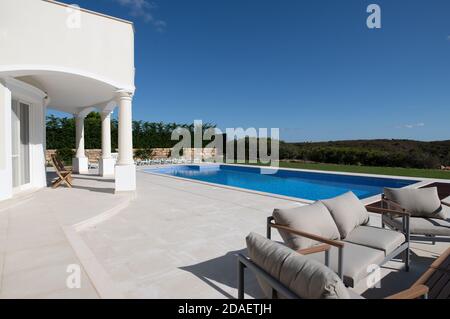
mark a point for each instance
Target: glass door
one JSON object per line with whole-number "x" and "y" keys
{"x": 20, "y": 134}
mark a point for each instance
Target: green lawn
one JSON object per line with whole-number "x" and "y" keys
{"x": 410, "y": 172}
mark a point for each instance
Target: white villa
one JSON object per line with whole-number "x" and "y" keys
{"x": 56, "y": 56}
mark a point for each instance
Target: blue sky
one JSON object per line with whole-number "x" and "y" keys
{"x": 309, "y": 67}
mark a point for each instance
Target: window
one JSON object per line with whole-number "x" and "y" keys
{"x": 20, "y": 138}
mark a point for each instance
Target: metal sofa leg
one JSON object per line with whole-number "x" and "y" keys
{"x": 274, "y": 294}
{"x": 241, "y": 268}
{"x": 432, "y": 238}
{"x": 406, "y": 259}
{"x": 406, "y": 221}
{"x": 269, "y": 229}
{"x": 341, "y": 263}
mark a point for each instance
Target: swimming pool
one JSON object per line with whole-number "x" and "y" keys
{"x": 292, "y": 183}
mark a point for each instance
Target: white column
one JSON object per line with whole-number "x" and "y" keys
{"x": 106, "y": 135}
{"x": 80, "y": 162}
{"x": 106, "y": 164}
{"x": 125, "y": 168}
{"x": 125, "y": 129}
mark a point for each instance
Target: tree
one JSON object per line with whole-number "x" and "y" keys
{"x": 146, "y": 135}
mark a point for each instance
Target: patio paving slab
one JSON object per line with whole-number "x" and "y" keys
{"x": 178, "y": 239}
{"x": 174, "y": 239}
{"x": 34, "y": 249}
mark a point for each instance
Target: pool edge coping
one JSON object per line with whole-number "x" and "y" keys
{"x": 419, "y": 179}
{"x": 366, "y": 201}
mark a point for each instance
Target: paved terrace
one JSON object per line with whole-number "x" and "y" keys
{"x": 174, "y": 239}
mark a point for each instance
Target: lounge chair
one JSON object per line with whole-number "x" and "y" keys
{"x": 336, "y": 233}
{"x": 430, "y": 217}
{"x": 283, "y": 273}
{"x": 92, "y": 165}
{"x": 64, "y": 175}
{"x": 115, "y": 156}
{"x": 142, "y": 162}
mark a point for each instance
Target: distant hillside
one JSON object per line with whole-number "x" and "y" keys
{"x": 394, "y": 153}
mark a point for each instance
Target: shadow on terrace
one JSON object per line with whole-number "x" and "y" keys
{"x": 91, "y": 182}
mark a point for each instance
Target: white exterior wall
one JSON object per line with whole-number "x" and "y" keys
{"x": 10, "y": 90}
{"x": 37, "y": 144}
{"x": 40, "y": 35}
{"x": 5, "y": 143}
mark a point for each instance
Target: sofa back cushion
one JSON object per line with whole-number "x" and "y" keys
{"x": 314, "y": 219}
{"x": 421, "y": 202}
{"x": 348, "y": 212}
{"x": 306, "y": 278}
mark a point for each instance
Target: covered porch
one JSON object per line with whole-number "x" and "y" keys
{"x": 75, "y": 61}
{"x": 65, "y": 92}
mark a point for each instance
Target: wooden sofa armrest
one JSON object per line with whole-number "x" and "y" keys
{"x": 446, "y": 204}
{"x": 323, "y": 240}
{"x": 411, "y": 293}
{"x": 314, "y": 249}
{"x": 391, "y": 202}
{"x": 383, "y": 211}
{"x": 319, "y": 248}
{"x": 398, "y": 209}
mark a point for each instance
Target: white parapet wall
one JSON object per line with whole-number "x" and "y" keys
{"x": 46, "y": 35}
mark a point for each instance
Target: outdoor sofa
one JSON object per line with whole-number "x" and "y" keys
{"x": 336, "y": 233}
{"x": 283, "y": 273}
{"x": 430, "y": 217}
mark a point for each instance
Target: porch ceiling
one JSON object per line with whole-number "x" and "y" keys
{"x": 70, "y": 92}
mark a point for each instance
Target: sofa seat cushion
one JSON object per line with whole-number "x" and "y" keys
{"x": 357, "y": 260}
{"x": 378, "y": 238}
{"x": 354, "y": 295}
{"x": 348, "y": 212}
{"x": 447, "y": 200}
{"x": 422, "y": 226}
{"x": 421, "y": 202}
{"x": 314, "y": 219}
{"x": 305, "y": 277}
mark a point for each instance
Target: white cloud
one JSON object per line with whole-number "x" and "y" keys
{"x": 410, "y": 126}
{"x": 143, "y": 9}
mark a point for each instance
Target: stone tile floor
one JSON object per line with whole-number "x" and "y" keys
{"x": 174, "y": 239}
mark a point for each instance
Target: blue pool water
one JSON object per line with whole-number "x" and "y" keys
{"x": 299, "y": 184}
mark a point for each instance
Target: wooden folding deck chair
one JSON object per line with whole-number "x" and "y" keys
{"x": 64, "y": 175}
